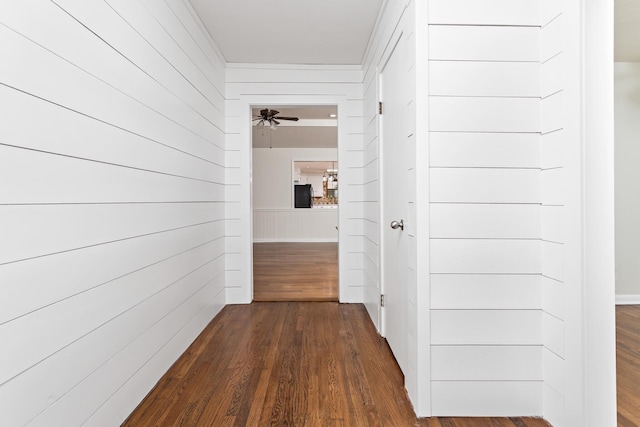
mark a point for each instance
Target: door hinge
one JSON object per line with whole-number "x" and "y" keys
{"x": 381, "y": 300}
{"x": 380, "y": 107}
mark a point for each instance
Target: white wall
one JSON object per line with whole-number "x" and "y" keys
{"x": 553, "y": 152}
{"x": 519, "y": 222}
{"x": 112, "y": 169}
{"x": 577, "y": 212}
{"x": 593, "y": 24}
{"x": 627, "y": 129}
{"x": 485, "y": 252}
{"x": 273, "y": 85}
{"x": 274, "y": 218}
{"x": 272, "y": 176}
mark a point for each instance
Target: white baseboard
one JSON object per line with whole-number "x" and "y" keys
{"x": 297, "y": 240}
{"x": 627, "y": 299}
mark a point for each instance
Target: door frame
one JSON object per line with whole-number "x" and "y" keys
{"x": 418, "y": 386}
{"x": 592, "y": 374}
{"x": 243, "y": 294}
{"x": 395, "y": 40}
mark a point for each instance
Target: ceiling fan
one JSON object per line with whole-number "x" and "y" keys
{"x": 271, "y": 117}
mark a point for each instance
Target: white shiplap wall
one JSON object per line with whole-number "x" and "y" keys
{"x": 273, "y": 85}
{"x": 485, "y": 218}
{"x": 112, "y": 250}
{"x": 553, "y": 184}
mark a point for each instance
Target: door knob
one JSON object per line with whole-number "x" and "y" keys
{"x": 395, "y": 224}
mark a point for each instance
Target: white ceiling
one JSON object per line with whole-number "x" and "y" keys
{"x": 295, "y": 137}
{"x": 627, "y": 30}
{"x": 290, "y": 31}
{"x": 333, "y": 31}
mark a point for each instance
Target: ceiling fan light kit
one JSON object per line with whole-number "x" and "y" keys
{"x": 271, "y": 117}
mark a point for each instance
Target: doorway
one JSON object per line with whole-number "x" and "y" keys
{"x": 626, "y": 70}
{"x": 627, "y": 208}
{"x": 394, "y": 156}
{"x": 295, "y": 202}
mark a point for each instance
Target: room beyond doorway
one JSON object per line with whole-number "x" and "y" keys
{"x": 295, "y": 271}
{"x": 295, "y": 205}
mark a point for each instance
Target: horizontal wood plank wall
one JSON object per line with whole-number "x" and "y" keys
{"x": 112, "y": 163}
{"x": 552, "y": 159}
{"x": 486, "y": 253}
{"x": 295, "y": 84}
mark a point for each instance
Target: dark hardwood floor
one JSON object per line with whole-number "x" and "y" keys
{"x": 628, "y": 364}
{"x": 295, "y": 272}
{"x": 290, "y": 364}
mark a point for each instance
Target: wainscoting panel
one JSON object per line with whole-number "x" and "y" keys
{"x": 295, "y": 225}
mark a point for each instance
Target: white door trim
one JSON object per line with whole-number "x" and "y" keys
{"x": 598, "y": 209}
{"x": 419, "y": 388}
{"x": 243, "y": 294}
{"x": 422, "y": 399}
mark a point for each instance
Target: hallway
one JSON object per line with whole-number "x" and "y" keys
{"x": 289, "y": 363}
{"x": 128, "y": 228}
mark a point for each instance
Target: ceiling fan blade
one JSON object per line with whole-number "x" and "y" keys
{"x": 264, "y": 113}
{"x": 272, "y": 113}
{"x": 294, "y": 119}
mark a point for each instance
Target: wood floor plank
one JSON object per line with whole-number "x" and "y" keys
{"x": 628, "y": 364}
{"x": 292, "y": 271}
{"x": 290, "y": 363}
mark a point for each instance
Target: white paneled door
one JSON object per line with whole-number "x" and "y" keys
{"x": 394, "y": 187}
